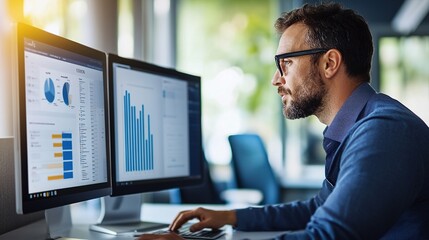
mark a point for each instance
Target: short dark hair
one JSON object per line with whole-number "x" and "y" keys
{"x": 332, "y": 26}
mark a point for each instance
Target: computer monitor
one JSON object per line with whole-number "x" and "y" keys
{"x": 156, "y": 142}
{"x": 61, "y": 148}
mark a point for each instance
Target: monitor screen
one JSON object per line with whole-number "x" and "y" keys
{"x": 155, "y": 127}
{"x": 62, "y": 153}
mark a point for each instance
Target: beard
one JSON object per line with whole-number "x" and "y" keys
{"x": 306, "y": 100}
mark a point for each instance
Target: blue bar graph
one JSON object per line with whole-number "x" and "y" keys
{"x": 68, "y": 175}
{"x": 68, "y": 165}
{"x": 67, "y": 145}
{"x": 67, "y": 155}
{"x": 138, "y": 138}
{"x": 63, "y": 149}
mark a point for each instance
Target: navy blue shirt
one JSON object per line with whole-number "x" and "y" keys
{"x": 377, "y": 178}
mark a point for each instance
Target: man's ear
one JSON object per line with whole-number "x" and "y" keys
{"x": 331, "y": 63}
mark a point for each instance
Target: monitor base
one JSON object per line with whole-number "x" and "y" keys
{"x": 122, "y": 216}
{"x": 130, "y": 228}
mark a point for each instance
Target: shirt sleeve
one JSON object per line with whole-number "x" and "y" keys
{"x": 290, "y": 216}
{"x": 381, "y": 174}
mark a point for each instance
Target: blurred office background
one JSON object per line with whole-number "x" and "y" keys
{"x": 231, "y": 44}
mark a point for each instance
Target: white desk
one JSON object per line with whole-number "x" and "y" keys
{"x": 163, "y": 213}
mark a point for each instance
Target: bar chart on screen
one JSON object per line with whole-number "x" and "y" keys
{"x": 139, "y": 139}
{"x": 54, "y": 160}
{"x": 139, "y": 126}
{"x": 151, "y": 126}
{"x": 63, "y": 154}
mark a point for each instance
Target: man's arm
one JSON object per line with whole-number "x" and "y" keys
{"x": 281, "y": 217}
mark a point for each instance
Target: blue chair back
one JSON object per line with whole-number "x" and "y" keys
{"x": 251, "y": 167}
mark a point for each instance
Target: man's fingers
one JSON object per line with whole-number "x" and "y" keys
{"x": 185, "y": 216}
{"x": 181, "y": 219}
{"x": 197, "y": 226}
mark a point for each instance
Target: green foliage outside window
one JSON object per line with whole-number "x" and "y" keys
{"x": 231, "y": 45}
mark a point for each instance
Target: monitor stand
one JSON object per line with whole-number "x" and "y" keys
{"x": 121, "y": 216}
{"x": 59, "y": 222}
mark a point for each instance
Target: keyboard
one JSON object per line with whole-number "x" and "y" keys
{"x": 204, "y": 234}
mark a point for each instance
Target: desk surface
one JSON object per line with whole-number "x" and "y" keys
{"x": 163, "y": 213}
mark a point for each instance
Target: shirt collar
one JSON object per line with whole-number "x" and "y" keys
{"x": 349, "y": 112}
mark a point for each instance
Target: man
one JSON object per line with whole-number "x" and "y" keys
{"x": 377, "y": 151}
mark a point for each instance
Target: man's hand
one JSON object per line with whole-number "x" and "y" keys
{"x": 207, "y": 219}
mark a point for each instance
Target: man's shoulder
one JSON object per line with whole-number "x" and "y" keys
{"x": 383, "y": 108}
{"x": 387, "y": 118}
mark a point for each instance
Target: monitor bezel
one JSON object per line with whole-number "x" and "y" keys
{"x": 154, "y": 184}
{"x": 70, "y": 195}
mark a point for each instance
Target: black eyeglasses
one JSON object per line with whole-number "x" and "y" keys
{"x": 296, "y": 54}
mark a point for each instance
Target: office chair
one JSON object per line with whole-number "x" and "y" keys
{"x": 204, "y": 193}
{"x": 251, "y": 167}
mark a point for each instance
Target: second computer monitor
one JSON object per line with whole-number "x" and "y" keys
{"x": 155, "y": 122}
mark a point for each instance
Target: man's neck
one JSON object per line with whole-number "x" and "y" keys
{"x": 338, "y": 93}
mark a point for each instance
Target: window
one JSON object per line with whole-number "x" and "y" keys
{"x": 231, "y": 44}
{"x": 404, "y": 72}
{"x": 64, "y": 18}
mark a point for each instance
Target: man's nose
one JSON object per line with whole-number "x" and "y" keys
{"x": 277, "y": 80}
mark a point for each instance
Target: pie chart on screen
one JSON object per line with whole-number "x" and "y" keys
{"x": 66, "y": 93}
{"x": 49, "y": 90}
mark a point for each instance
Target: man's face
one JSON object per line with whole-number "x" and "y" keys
{"x": 301, "y": 87}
